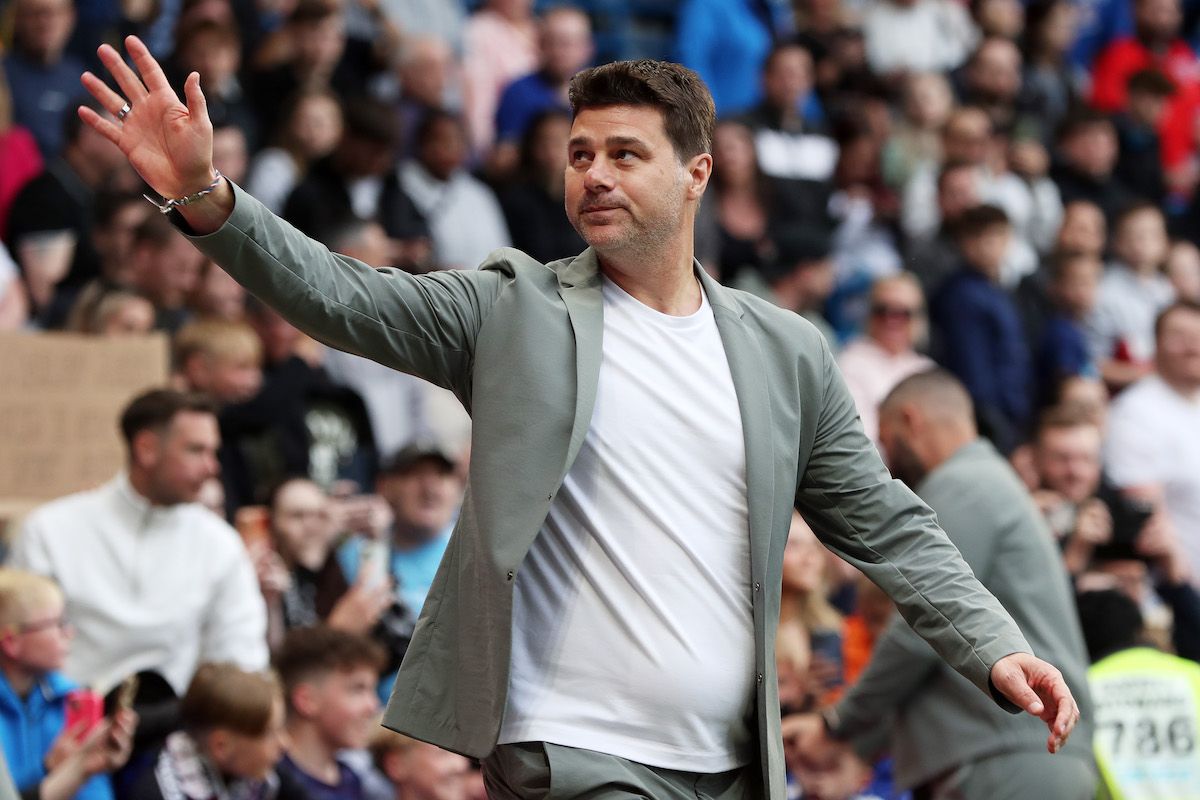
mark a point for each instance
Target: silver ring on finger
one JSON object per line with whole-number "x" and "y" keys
{"x": 124, "y": 112}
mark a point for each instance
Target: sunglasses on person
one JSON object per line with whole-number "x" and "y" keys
{"x": 881, "y": 311}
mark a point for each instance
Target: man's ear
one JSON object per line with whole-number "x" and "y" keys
{"x": 395, "y": 768}
{"x": 219, "y": 745}
{"x": 10, "y": 645}
{"x": 196, "y": 370}
{"x": 305, "y": 701}
{"x": 144, "y": 448}
{"x": 699, "y": 170}
{"x": 914, "y": 420}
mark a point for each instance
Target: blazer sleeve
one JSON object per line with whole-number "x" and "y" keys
{"x": 877, "y": 524}
{"x": 425, "y": 325}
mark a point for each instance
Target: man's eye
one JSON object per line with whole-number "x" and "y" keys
{"x": 626, "y": 155}
{"x": 579, "y": 155}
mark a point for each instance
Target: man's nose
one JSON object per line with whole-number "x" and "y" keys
{"x": 599, "y": 176}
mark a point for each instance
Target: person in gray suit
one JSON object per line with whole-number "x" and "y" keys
{"x": 948, "y": 740}
{"x": 602, "y": 624}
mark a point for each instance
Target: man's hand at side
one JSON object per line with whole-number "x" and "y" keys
{"x": 1040, "y": 690}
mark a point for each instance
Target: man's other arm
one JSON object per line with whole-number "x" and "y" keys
{"x": 878, "y": 525}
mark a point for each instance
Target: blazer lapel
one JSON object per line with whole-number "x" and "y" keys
{"x": 579, "y": 286}
{"x": 749, "y": 371}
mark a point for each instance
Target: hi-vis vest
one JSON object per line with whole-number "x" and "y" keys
{"x": 1147, "y": 725}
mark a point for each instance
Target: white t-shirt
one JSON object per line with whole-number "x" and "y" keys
{"x": 1154, "y": 438}
{"x": 1126, "y": 306}
{"x": 632, "y": 619}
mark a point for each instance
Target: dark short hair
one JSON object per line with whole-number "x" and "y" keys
{"x": 428, "y": 126}
{"x": 1080, "y": 119}
{"x": 689, "y": 115}
{"x": 156, "y": 231}
{"x": 308, "y": 12}
{"x": 1111, "y": 622}
{"x": 109, "y": 202}
{"x": 529, "y": 136}
{"x": 1132, "y": 210}
{"x": 311, "y": 653}
{"x": 785, "y": 46}
{"x": 977, "y": 220}
{"x": 154, "y": 410}
{"x": 223, "y": 33}
{"x": 1150, "y": 81}
{"x": 1061, "y": 260}
{"x": 1182, "y": 306}
{"x": 372, "y": 120}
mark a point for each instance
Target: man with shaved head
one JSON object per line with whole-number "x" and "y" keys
{"x": 947, "y": 738}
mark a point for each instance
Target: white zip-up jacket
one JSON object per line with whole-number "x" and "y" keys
{"x": 147, "y": 587}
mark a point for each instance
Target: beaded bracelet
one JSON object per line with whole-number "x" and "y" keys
{"x": 168, "y": 204}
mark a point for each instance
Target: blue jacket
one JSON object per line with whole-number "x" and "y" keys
{"x": 726, "y": 42}
{"x": 984, "y": 345}
{"x": 29, "y": 727}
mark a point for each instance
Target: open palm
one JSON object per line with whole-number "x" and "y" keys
{"x": 168, "y": 143}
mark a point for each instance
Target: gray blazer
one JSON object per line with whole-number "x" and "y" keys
{"x": 940, "y": 720}
{"x": 518, "y": 342}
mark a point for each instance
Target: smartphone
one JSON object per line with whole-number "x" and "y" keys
{"x": 1129, "y": 516}
{"x": 85, "y": 709}
{"x": 374, "y": 561}
{"x": 828, "y": 645}
{"x": 127, "y": 693}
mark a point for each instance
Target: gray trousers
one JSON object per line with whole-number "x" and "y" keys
{"x": 544, "y": 771}
{"x": 1018, "y": 776}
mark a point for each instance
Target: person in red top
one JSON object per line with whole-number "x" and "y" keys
{"x": 1156, "y": 43}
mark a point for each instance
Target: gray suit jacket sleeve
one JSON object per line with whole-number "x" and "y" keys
{"x": 424, "y": 325}
{"x": 881, "y": 527}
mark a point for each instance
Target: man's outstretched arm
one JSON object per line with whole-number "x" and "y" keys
{"x": 425, "y": 325}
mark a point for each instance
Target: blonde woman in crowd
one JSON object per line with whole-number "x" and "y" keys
{"x": 887, "y": 354}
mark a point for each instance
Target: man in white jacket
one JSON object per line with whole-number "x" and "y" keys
{"x": 153, "y": 580}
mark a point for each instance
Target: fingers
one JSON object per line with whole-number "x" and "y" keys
{"x": 131, "y": 84}
{"x": 196, "y": 104}
{"x": 1068, "y": 712}
{"x": 1020, "y": 692}
{"x": 151, "y": 72}
{"x": 100, "y": 90}
{"x": 106, "y": 128}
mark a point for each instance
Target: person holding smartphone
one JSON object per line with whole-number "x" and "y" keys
{"x": 73, "y": 747}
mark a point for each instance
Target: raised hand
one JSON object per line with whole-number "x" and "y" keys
{"x": 1038, "y": 688}
{"x": 168, "y": 143}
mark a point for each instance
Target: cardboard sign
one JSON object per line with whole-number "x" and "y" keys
{"x": 61, "y": 396}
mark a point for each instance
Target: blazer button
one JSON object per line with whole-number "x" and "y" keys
{"x": 758, "y": 587}
{"x": 759, "y": 679}
{"x": 510, "y": 574}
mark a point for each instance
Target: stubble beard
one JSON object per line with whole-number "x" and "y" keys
{"x": 642, "y": 238}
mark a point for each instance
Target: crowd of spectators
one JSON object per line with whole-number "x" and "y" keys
{"x": 1007, "y": 190}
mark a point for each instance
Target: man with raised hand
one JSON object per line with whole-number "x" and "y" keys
{"x": 603, "y": 621}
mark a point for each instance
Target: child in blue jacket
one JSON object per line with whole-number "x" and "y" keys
{"x": 35, "y": 639}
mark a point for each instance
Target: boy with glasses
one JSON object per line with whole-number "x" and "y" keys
{"x": 35, "y": 638}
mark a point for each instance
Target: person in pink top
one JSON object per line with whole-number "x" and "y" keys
{"x": 500, "y": 44}
{"x": 20, "y": 159}
{"x": 873, "y": 364}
